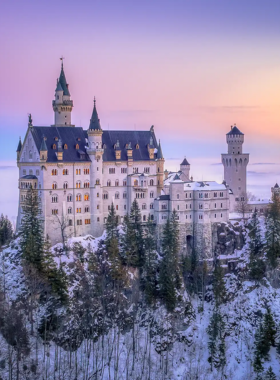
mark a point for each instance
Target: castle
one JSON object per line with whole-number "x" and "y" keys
{"x": 79, "y": 173}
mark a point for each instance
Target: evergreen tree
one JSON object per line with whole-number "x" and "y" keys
{"x": 6, "y": 230}
{"x": 132, "y": 239}
{"x": 31, "y": 231}
{"x": 111, "y": 225}
{"x": 169, "y": 273}
{"x": 273, "y": 231}
{"x": 269, "y": 328}
{"x": 150, "y": 267}
{"x": 270, "y": 375}
{"x": 257, "y": 269}
{"x": 255, "y": 236}
{"x": 216, "y": 343}
{"x": 219, "y": 289}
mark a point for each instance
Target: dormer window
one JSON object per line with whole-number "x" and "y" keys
{"x": 78, "y": 139}
{"x": 137, "y": 146}
{"x": 65, "y": 146}
{"x": 56, "y": 139}
{"x": 54, "y": 146}
{"x": 77, "y": 146}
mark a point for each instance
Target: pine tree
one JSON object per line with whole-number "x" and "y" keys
{"x": 219, "y": 289}
{"x": 169, "y": 273}
{"x": 269, "y": 328}
{"x": 216, "y": 343}
{"x": 255, "y": 236}
{"x": 270, "y": 375}
{"x": 257, "y": 269}
{"x": 273, "y": 231}
{"x": 150, "y": 267}
{"x": 31, "y": 231}
{"x": 111, "y": 225}
{"x": 6, "y": 230}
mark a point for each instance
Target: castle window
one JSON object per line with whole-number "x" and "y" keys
{"x": 37, "y": 172}
{"x": 221, "y": 205}
{"x": 117, "y": 182}
{"x": 206, "y": 195}
{"x": 77, "y": 146}
{"x": 112, "y": 170}
{"x": 54, "y": 146}
{"x": 151, "y": 206}
{"x": 97, "y": 207}
{"x": 215, "y": 215}
{"x": 124, "y": 195}
{"x": 87, "y": 221}
{"x": 78, "y": 210}
{"x": 65, "y": 172}
{"x": 69, "y": 198}
{"x": 117, "y": 195}
{"x": 144, "y": 206}
{"x": 56, "y": 139}
{"x": 135, "y": 182}
{"x": 164, "y": 216}
{"x": 79, "y": 222}
{"x": 78, "y": 171}
{"x": 86, "y": 197}
{"x": 69, "y": 210}
{"x": 54, "y": 172}
{"x": 137, "y": 146}
{"x": 54, "y": 212}
{"x": 65, "y": 146}
{"x": 178, "y": 207}
{"x": 30, "y": 154}
{"x": 124, "y": 183}
{"x": 117, "y": 207}
{"x": 147, "y": 170}
{"x": 65, "y": 185}
{"x": 87, "y": 209}
{"x": 108, "y": 183}
{"x": 123, "y": 170}
{"x": 54, "y": 186}
{"x": 97, "y": 195}
{"x": 70, "y": 222}
{"x": 86, "y": 185}
{"x": 31, "y": 172}
{"x": 215, "y": 205}
{"x": 221, "y": 215}
{"x": 54, "y": 199}
{"x": 178, "y": 196}
{"x": 78, "y": 185}
{"x": 97, "y": 182}
{"x": 78, "y": 197}
{"x": 215, "y": 195}
{"x": 200, "y": 206}
{"x": 24, "y": 172}
{"x": 200, "y": 216}
{"x": 221, "y": 194}
{"x": 144, "y": 218}
{"x": 151, "y": 194}
{"x": 86, "y": 171}
{"x": 190, "y": 216}
{"x": 151, "y": 182}
{"x": 200, "y": 195}
{"x": 164, "y": 206}
{"x": 124, "y": 207}
{"x": 98, "y": 219}
{"x": 135, "y": 170}
{"x": 190, "y": 195}
{"x": 152, "y": 217}
{"x": 105, "y": 196}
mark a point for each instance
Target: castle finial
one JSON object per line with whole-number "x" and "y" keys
{"x": 30, "y": 120}
{"x": 94, "y": 102}
{"x": 62, "y": 58}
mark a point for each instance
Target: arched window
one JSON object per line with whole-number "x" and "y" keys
{"x": 152, "y": 217}
{"x": 54, "y": 198}
{"x": 54, "y": 146}
{"x": 97, "y": 182}
{"x": 151, "y": 194}
{"x": 54, "y": 186}
{"x": 135, "y": 182}
{"x": 117, "y": 195}
{"x": 151, "y": 206}
{"x": 137, "y": 146}
{"x": 54, "y": 172}
{"x": 117, "y": 182}
{"x": 144, "y": 207}
{"x": 87, "y": 209}
{"x": 65, "y": 172}
{"x": 65, "y": 146}
{"x": 109, "y": 183}
{"x": 86, "y": 185}
{"x": 78, "y": 185}
{"x": 86, "y": 197}
{"x": 69, "y": 198}
{"x": 30, "y": 154}
{"x": 69, "y": 210}
{"x": 78, "y": 197}
{"x": 105, "y": 195}
{"x": 124, "y": 195}
{"x": 77, "y": 146}
{"x": 65, "y": 185}
{"x": 151, "y": 182}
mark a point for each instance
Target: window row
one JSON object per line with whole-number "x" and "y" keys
{"x": 31, "y": 172}
{"x": 78, "y": 197}
{"x": 66, "y": 171}
{"x": 78, "y": 185}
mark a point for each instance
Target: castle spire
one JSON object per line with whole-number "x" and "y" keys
{"x": 159, "y": 152}
{"x": 94, "y": 121}
{"x": 19, "y": 145}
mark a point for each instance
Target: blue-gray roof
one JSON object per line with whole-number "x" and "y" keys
{"x": 235, "y": 131}
{"x": 43, "y": 146}
{"x": 29, "y": 176}
{"x": 185, "y": 162}
{"x": 63, "y": 83}
{"x": 68, "y": 135}
{"x": 159, "y": 151}
{"x": 94, "y": 121}
{"x": 19, "y": 146}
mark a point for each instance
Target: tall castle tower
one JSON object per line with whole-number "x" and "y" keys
{"x": 95, "y": 153}
{"x": 62, "y": 104}
{"x": 235, "y": 165}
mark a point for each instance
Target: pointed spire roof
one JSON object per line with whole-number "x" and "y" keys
{"x": 19, "y": 145}
{"x": 58, "y": 86}
{"x": 176, "y": 178}
{"x": 234, "y": 131}
{"x": 94, "y": 121}
{"x": 43, "y": 145}
{"x": 62, "y": 82}
{"x": 276, "y": 186}
{"x": 159, "y": 152}
{"x": 185, "y": 162}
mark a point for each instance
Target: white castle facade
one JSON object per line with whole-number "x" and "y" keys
{"x": 79, "y": 173}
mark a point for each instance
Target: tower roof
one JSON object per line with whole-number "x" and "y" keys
{"x": 185, "y": 162}
{"x": 94, "y": 121}
{"x": 159, "y": 152}
{"x": 276, "y": 186}
{"x": 62, "y": 84}
{"x": 43, "y": 145}
{"x": 19, "y": 145}
{"x": 234, "y": 131}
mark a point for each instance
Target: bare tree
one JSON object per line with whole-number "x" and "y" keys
{"x": 242, "y": 206}
{"x": 62, "y": 223}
